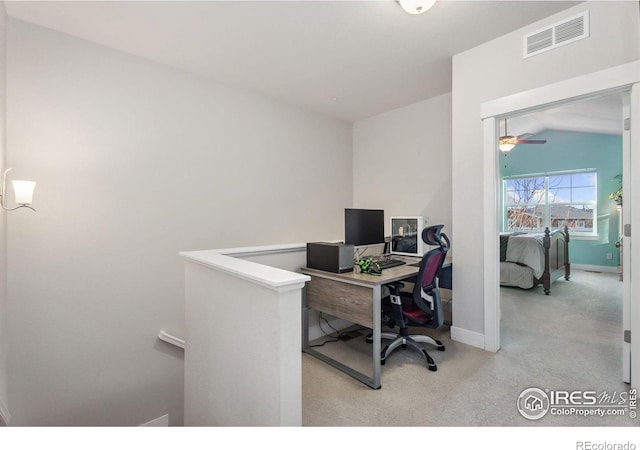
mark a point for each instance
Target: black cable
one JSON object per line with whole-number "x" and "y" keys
{"x": 333, "y": 339}
{"x": 321, "y": 316}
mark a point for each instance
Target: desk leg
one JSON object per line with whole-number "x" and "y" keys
{"x": 305, "y": 327}
{"x": 373, "y": 382}
{"x": 377, "y": 326}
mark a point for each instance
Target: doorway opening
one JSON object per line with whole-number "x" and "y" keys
{"x": 564, "y": 173}
{"x": 618, "y": 79}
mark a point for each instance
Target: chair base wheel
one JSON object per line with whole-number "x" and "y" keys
{"x": 431, "y": 364}
{"x": 408, "y": 341}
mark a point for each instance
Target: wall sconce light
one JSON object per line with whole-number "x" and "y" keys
{"x": 416, "y": 6}
{"x": 23, "y": 191}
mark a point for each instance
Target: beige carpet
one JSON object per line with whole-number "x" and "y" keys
{"x": 570, "y": 340}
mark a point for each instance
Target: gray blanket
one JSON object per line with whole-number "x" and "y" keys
{"x": 523, "y": 248}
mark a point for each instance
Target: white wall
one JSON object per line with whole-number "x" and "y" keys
{"x": 233, "y": 378}
{"x": 134, "y": 163}
{"x": 497, "y": 69}
{"x": 4, "y": 371}
{"x": 402, "y": 162}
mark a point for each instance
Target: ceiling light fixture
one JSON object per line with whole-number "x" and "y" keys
{"x": 506, "y": 142}
{"x": 416, "y": 6}
{"x": 506, "y": 147}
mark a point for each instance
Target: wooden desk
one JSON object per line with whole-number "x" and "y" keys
{"x": 355, "y": 297}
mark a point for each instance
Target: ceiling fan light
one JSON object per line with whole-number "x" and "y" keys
{"x": 506, "y": 147}
{"x": 416, "y": 6}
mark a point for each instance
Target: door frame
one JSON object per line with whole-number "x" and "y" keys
{"x": 625, "y": 259}
{"x": 620, "y": 78}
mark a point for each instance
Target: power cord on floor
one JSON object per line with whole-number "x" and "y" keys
{"x": 337, "y": 338}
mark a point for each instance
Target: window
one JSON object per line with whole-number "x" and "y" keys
{"x": 553, "y": 200}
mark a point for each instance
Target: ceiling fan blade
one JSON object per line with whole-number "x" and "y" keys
{"x": 519, "y": 141}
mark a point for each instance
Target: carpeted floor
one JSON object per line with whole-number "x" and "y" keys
{"x": 569, "y": 340}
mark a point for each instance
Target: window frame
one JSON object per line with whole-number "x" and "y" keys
{"x": 545, "y": 204}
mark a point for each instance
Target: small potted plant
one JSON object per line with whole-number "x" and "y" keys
{"x": 616, "y": 195}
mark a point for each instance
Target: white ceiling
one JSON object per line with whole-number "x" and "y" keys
{"x": 598, "y": 115}
{"x": 345, "y": 59}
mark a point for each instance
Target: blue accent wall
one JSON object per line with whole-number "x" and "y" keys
{"x": 567, "y": 150}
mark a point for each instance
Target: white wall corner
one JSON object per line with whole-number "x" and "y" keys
{"x": 5, "y": 416}
{"x": 472, "y": 338}
{"x": 162, "y": 421}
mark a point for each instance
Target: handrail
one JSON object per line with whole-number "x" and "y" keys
{"x": 225, "y": 260}
{"x": 171, "y": 339}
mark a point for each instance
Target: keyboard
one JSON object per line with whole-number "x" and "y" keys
{"x": 387, "y": 263}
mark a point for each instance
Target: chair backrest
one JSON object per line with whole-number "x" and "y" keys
{"x": 433, "y": 235}
{"x": 427, "y": 281}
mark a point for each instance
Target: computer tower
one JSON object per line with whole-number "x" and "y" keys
{"x": 406, "y": 236}
{"x": 330, "y": 256}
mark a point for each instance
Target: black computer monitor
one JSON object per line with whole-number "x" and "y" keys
{"x": 363, "y": 226}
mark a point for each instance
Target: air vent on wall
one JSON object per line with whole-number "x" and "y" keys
{"x": 561, "y": 33}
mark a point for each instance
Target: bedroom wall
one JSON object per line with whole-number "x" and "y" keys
{"x": 497, "y": 69}
{"x": 4, "y": 370}
{"x": 402, "y": 162}
{"x": 135, "y": 162}
{"x": 566, "y": 150}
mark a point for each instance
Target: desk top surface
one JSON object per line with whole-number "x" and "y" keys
{"x": 388, "y": 275}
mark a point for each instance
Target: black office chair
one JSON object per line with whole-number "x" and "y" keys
{"x": 423, "y": 306}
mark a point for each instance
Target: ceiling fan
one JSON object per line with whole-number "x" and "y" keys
{"x": 507, "y": 142}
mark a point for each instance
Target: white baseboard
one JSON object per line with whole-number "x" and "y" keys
{"x": 5, "y": 416}
{"x": 472, "y": 338}
{"x": 162, "y": 421}
{"x": 592, "y": 268}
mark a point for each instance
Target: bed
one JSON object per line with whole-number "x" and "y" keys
{"x": 531, "y": 259}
